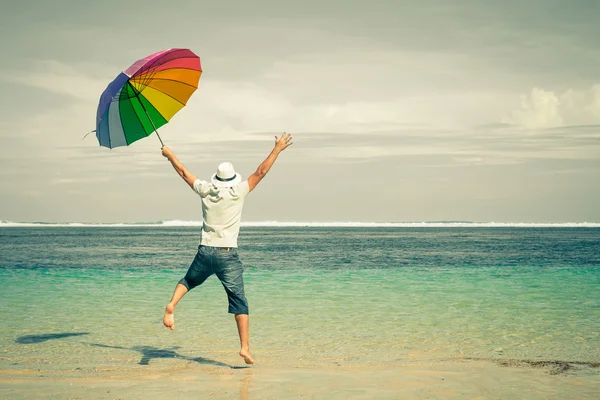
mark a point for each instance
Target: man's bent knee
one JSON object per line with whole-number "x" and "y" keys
{"x": 238, "y": 306}
{"x": 185, "y": 283}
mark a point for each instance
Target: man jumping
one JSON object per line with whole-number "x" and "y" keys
{"x": 222, "y": 203}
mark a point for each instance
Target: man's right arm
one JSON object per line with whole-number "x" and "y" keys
{"x": 281, "y": 143}
{"x": 178, "y": 166}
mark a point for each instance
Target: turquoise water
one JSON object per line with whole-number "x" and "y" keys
{"x": 76, "y": 298}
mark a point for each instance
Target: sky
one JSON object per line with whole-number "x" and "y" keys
{"x": 400, "y": 111}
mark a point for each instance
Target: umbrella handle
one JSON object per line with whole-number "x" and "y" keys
{"x": 161, "y": 142}
{"x": 155, "y": 130}
{"x": 149, "y": 119}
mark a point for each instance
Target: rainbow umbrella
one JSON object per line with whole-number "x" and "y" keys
{"x": 146, "y": 96}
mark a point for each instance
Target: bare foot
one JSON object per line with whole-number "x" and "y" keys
{"x": 169, "y": 318}
{"x": 245, "y": 354}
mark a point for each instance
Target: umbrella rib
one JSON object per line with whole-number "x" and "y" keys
{"x": 168, "y": 95}
{"x": 150, "y": 119}
{"x": 146, "y": 111}
{"x": 173, "y": 80}
{"x": 137, "y": 79}
{"x": 160, "y": 61}
{"x": 134, "y": 113}
{"x": 156, "y": 65}
{"x": 153, "y": 70}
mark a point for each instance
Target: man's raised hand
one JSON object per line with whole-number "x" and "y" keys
{"x": 283, "y": 142}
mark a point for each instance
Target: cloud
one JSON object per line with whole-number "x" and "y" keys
{"x": 507, "y": 145}
{"x": 547, "y": 109}
{"x": 241, "y": 117}
{"x": 80, "y": 82}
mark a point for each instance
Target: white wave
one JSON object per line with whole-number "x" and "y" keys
{"x": 274, "y": 224}
{"x": 421, "y": 224}
{"x": 8, "y": 224}
{"x": 177, "y": 222}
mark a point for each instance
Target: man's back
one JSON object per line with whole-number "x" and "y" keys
{"x": 221, "y": 212}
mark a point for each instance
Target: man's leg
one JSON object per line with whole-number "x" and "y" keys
{"x": 243, "y": 325}
{"x": 197, "y": 273}
{"x": 169, "y": 318}
{"x": 230, "y": 271}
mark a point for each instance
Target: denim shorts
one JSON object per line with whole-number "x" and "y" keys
{"x": 228, "y": 268}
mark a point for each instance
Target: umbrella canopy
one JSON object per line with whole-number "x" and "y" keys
{"x": 145, "y": 96}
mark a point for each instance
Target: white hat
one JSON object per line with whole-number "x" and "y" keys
{"x": 225, "y": 176}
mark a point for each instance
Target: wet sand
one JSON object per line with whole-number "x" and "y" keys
{"x": 460, "y": 379}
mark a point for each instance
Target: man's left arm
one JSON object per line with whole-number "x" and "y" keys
{"x": 179, "y": 167}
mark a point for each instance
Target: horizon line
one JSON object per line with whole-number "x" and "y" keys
{"x": 291, "y": 224}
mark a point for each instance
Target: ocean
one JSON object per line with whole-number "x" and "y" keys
{"x": 90, "y": 298}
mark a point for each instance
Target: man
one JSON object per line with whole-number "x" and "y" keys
{"x": 222, "y": 203}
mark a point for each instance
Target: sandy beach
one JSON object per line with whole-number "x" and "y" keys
{"x": 461, "y": 379}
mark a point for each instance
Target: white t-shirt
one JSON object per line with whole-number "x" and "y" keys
{"x": 221, "y": 212}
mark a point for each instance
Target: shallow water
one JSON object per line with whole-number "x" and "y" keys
{"x": 82, "y": 299}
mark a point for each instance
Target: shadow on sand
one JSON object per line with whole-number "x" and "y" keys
{"x": 33, "y": 339}
{"x": 149, "y": 353}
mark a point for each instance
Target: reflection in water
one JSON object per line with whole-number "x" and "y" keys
{"x": 245, "y": 384}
